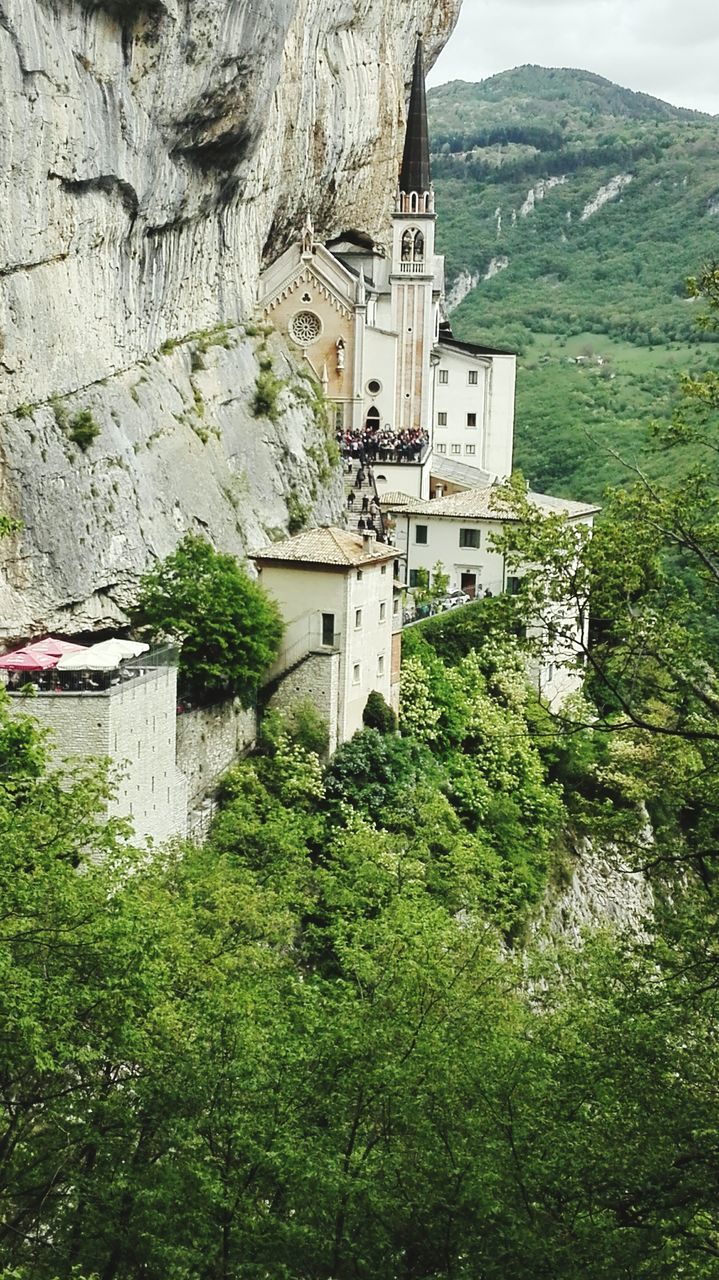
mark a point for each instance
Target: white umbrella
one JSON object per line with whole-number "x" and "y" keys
{"x": 104, "y": 656}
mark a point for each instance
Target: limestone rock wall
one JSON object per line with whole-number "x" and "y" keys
{"x": 179, "y": 449}
{"x": 152, "y": 153}
{"x": 604, "y": 891}
{"x": 148, "y": 160}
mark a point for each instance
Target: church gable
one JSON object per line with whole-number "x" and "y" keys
{"x": 308, "y": 266}
{"x": 305, "y": 286}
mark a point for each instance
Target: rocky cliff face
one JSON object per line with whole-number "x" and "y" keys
{"x": 152, "y": 152}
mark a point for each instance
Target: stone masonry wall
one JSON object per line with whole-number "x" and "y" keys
{"x": 134, "y": 727}
{"x": 151, "y": 790}
{"x": 79, "y": 724}
{"x": 209, "y": 740}
{"x": 316, "y": 680}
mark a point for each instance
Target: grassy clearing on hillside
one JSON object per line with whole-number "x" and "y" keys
{"x": 582, "y": 427}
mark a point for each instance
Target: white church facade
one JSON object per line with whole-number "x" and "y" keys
{"x": 372, "y": 328}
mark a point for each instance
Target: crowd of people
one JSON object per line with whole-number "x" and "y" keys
{"x": 371, "y": 519}
{"x": 373, "y": 443}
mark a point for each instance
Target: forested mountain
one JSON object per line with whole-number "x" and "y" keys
{"x": 572, "y": 213}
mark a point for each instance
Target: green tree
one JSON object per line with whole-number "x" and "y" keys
{"x": 229, "y": 629}
{"x": 378, "y": 714}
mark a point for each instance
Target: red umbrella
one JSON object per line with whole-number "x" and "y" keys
{"x": 56, "y": 648}
{"x": 27, "y": 660}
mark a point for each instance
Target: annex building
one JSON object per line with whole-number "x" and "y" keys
{"x": 343, "y": 621}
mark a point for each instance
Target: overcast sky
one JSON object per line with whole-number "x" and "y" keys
{"x": 669, "y": 48}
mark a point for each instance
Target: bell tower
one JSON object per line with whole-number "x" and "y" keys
{"x": 414, "y": 295}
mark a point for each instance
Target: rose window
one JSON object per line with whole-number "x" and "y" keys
{"x": 305, "y": 328}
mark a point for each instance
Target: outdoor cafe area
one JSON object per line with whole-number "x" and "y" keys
{"x": 61, "y": 666}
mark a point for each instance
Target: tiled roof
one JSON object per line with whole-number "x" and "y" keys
{"x": 444, "y": 468}
{"x": 327, "y": 545}
{"x": 395, "y": 498}
{"x": 484, "y": 504}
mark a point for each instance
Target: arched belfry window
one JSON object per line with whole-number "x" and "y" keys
{"x": 407, "y": 246}
{"x": 419, "y": 247}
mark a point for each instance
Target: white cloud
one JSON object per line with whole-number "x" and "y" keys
{"x": 656, "y": 46}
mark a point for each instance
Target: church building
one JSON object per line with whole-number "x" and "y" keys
{"x": 435, "y": 418}
{"x": 372, "y": 327}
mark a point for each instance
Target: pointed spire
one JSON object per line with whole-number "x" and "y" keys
{"x": 308, "y": 236}
{"x": 415, "y": 173}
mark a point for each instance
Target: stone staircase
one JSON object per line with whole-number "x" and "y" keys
{"x": 358, "y": 499}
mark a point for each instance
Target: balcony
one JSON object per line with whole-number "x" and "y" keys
{"x": 92, "y": 683}
{"x": 386, "y": 447}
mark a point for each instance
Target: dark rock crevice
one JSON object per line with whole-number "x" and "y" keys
{"x": 107, "y": 183}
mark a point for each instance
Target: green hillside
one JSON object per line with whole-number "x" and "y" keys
{"x": 587, "y": 206}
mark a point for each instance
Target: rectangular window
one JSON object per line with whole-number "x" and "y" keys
{"x": 513, "y": 586}
{"x": 456, "y": 448}
{"x": 441, "y": 419}
{"x": 358, "y": 617}
{"x": 328, "y": 628}
{"x": 359, "y": 575}
{"x": 469, "y": 537}
{"x": 440, "y": 448}
{"x": 420, "y": 535}
{"x": 471, "y": 419}
{"x": 383, "y": 570}
{"x": 473, "y": 377}
{"x": 382, "y": 612}
{"x": 444, "y": 375}
{"x": 395, "y": 605}
{"x": 470, "y": 449}
{"x": 380, "y": 665}
{"x": 356, "y": 673}
{"x": 414, "y": 577}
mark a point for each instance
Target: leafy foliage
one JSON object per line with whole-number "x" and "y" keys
{"x": 229, "y": 629}
{"x": 302, "y": 723}
{"x": 301, "y": 1050}
{"x": 83, "y": 429}
{"x": 378, "y": 714}
{"x": 575, "y": 287}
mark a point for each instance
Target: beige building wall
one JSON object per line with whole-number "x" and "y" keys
{"x": 360, "y": 600}
{"x": 335, "y": 324}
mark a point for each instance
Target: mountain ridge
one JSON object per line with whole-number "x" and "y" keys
{"x": 569, "y": 232}
{"x": 548, "y": 76}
